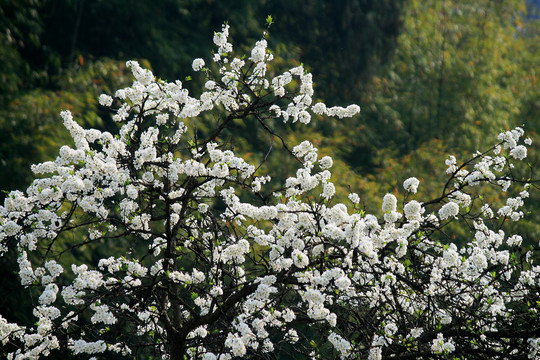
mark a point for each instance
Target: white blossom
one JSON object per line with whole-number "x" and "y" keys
{"x": 448, "y": 210}
{"x": 411, "y": 184}
{"x": 105, "y": 100}
{"x": 198, "y": 64}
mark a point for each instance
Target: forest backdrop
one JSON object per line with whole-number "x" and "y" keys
{"x": 430, "y": 76}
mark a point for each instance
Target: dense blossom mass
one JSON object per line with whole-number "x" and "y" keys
{"x": 195, "y": 254}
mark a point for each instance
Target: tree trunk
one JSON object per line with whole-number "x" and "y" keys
{"x": 177, "y": 346}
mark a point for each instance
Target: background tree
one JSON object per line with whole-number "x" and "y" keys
{"x": 460, "y": 72}
{"x": 41, "y": 58}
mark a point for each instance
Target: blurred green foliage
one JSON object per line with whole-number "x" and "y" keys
{"x": 461, "y": 73}
{"x": 50, "y": 47}
{"x": 432, "y": 77}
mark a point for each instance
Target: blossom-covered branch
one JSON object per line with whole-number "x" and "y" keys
{"x": 190, "y": 260}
